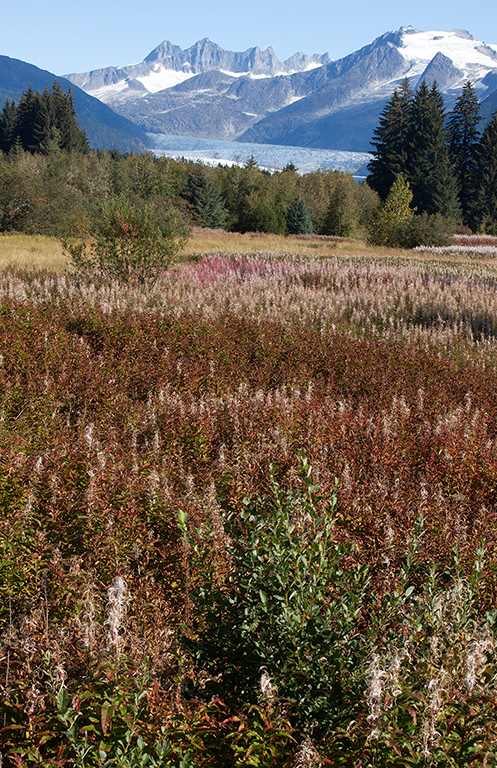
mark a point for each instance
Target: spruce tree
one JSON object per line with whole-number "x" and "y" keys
{"x": 391, "y": 141}
{"x": 63, "y": 118}
{"x": 463, "y": 140}
{"x": 486, "y": 174}
{"x": 30, "y": 116}
{"x": 445, "y": 198}
{"x": 7, "y": 126}
{"x": 298, "y": 218}
{"x": 432, "y": 180}
{"x": 207, "y": 201}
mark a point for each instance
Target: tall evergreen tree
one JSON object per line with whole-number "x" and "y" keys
{"x": 445, "y": 198}
{"x": 432, "y": 180}
{"x": 30, "y": 119}
{"x": 7, "y": 126}
{"x": 463, "y": 140}
{"x": 486, "y": 174}
{"x": 298, "y": 218}
{"x": 391, "y": 141}
{"x": 63, "y": 117}
{"x": 207, "y": 201}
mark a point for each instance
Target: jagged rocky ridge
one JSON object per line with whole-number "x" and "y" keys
{"x": 308, "y": 101}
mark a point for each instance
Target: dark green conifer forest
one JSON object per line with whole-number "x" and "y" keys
{"x": 42, "y": 122}
{"x": 444, "y": 157}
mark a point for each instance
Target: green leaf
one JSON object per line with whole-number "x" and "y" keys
{"x": 106, "y": 712}
{"x": 182, "y": 519}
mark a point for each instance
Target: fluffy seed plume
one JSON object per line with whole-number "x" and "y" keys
{"x": 118, "y": 598}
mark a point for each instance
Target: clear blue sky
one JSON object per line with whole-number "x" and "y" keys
{"x": 68, "y": 37}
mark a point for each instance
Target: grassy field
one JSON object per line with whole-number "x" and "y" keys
{"x": 249, "y": 515}
{"x": 31, "y": 252}
{"x": 46, "y": 253}
{"x": 39, "y": 252}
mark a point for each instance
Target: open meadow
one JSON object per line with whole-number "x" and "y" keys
{"x": 249, "y": 514}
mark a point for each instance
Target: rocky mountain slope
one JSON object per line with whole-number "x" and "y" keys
{"x": 307, "y": 101}
{"x": 105, "y": 128}
{"x": 168, "y": 65}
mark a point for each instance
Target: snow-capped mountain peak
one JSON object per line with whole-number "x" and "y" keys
{"x": 168, "y": 65}
{"x": 473, "y": 58}
{"x": 307, "y": 101}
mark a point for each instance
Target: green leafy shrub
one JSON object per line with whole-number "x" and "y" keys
{"x": 106, "y": 725}
{"x": 257, "y": 735}
{"x": 285, "y": 614}
{"x": 130, "y": 243}
{"x": 16, "y": 197}
{"x": 279, "y": 613}
{"x": 426, "y": 230}
{"x": 19, "y": 558}
{"x": 396, "y": 224}
{"x": 391, "y": 218}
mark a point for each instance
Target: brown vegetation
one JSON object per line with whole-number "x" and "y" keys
{"x": 121, "y": 407}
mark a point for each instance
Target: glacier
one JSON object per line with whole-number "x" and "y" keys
{"x": 271, "y": 157}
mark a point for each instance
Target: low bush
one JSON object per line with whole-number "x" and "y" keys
{"x": 283, "y": 613}
{"x": 431, "y": 230}
{"x": 130, "y": 243}
{"x": 277, "y": 612}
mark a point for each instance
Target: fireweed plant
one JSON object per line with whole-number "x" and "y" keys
{"x": 350, "y": 623}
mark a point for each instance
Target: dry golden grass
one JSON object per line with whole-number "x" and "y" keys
{"x": 217, "y": 240}
{"x": 32, "y": 252}
{"x": 40, "y": 252}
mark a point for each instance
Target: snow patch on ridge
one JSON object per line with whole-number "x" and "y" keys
{"x": 293, "y": 99}
{"x": 162, "y": 78}
{"x": 158, "y": 80}
{"x": 418, "y": 47}
{"x": 107, "y": 92}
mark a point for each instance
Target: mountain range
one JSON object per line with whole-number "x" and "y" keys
{"x": 307, "y": 101}
{"x": 313, "y": 102}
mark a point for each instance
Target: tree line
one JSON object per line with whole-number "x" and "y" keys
{"x": 42, "y": 122}
{"x": 56, "y": 193}
{"x": 449, "y": 164}
{"x": 52, "y": 183}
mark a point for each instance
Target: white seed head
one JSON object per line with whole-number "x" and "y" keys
{"x": 118, "y": 598}
{"x": 267, "y": 687}
{"x": 89, "y": 435}
{"x": 475, "y": 660}
{"x": 307, "y": 756}
{"x": 375, "y": 689}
